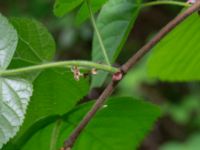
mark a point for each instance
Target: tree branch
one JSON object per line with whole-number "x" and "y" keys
{"x": 124, "y": 69}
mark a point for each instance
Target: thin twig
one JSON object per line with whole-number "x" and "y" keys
{"x": 124, "y": 69}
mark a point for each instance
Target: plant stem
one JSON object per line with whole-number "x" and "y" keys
{"x": 124, "y": 69}
{"x": 68, "y": 64}
{"x": 165, "y": 2}
{"x": 98, "y": 33}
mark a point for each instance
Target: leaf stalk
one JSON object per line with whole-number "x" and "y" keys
{"x": 67, "y": 64}
{"x": 165, "y": 2}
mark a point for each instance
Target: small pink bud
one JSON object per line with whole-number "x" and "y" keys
{"x": 117, "y": 76}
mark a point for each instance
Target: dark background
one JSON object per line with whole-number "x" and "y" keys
{"x": 179, "y": 126}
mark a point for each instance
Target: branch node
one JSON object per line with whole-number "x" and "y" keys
{"x": 117, "y": 76}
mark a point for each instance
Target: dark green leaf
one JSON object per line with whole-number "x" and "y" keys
{"x": 36, "y": 45}
{"x": 176, "y": 57}
{"x": 62, "y": 7}
{"x": 55, "y": 93}
{"x": 121, "y": 124}
{"x": 114, "y": 22}
{"x": 83, "y": 13}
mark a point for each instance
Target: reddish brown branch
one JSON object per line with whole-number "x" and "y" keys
{"x": 124, "y": 69}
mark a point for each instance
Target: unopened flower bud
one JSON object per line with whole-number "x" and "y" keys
{"x": 76, "y": 72}
{"x": 94, "y": 71}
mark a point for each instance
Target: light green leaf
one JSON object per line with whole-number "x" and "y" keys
{"x": 83, "y": 13}
{"x": 14, "y": 93}
{"x": 62, "y": 7}
{"x": 121, "y": 124}
{"x": 14, "y": 97}
{"x": 36, "y": 45}
{"x": 8, "y": 42}
{"x": 114, "y": 22}
{"x": 176, "y": 57}
{"x": 55, "y": 93}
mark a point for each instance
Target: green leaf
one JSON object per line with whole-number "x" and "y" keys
{"x": 176, "y": 57}
{"x": 55, "y": 93}
{"x": 121, "y": 124}
{"x": 36, "y": 45}
{"x": 14, "y": 93}
{"x": 83, "y": 13}
{"x": 14, "y": 97}
{"x": 62, "y": 7}
{"x": 114, "y": 22}
{"x": 8, "y": 42}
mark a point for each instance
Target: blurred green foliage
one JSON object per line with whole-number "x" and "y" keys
{"x": 193, "y": 143}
